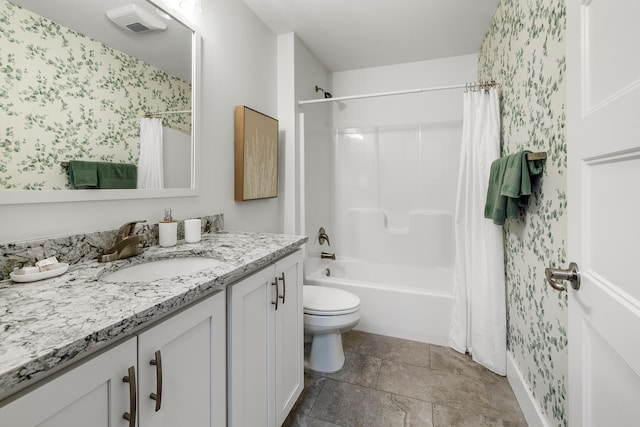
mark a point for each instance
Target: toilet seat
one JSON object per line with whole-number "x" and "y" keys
{"x": 329, "y": 312}
{"x": 324, "y": 301}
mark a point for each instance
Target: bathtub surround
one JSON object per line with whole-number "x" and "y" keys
{"x": 478, "y": 319}
{"x": 78, "y": 248}
{"x": 524, "y": 49}
{"x": 388, "y": 178}
{"x": 386, "y": 200}
{"x": 389, "y": 212}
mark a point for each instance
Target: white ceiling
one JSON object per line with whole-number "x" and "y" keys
{"x": 169, "y": 50}
{"x": 352, "y": 34}
{"x": 344, "y": 34}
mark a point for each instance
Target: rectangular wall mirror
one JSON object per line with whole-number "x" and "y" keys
{"x": 256, "y": 155}
{"x": 78, "y": 83}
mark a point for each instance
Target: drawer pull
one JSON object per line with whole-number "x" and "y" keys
{"x": 131, "y": 379}
{"x": 157, "y": 396}
{"x": 284, "y": 287}
{"x": 277, "y": 294}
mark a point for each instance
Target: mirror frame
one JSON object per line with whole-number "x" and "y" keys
{"x": 13, "y": 197}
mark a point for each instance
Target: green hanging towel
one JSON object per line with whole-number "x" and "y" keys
{"x": 82, "y": 174}
{"x": 117, "y": 175}
{"x": 510, "y": 186}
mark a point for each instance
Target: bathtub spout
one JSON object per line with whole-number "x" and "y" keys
{"x": 327, "y": 255}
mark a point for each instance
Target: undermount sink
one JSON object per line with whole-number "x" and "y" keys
{"x": 162, "y": 269}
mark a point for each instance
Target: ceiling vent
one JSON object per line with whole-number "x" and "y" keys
{"x": 132, "y": 18}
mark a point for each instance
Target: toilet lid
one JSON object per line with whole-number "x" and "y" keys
{"x": 324, "y": 301}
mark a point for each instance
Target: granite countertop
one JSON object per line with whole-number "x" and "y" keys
{"x": 49, "y": 323}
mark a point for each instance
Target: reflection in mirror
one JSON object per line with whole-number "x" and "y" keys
{"x": 75, "y": 85}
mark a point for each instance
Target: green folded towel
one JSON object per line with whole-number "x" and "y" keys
{"x": 510, "y": 186}
{"x": 117, "y": 175}
{"x": 83, "y": 174}
{"x": 496, "y": 206}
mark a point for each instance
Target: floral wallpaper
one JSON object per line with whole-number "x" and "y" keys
{"x": 524, "y": 50}
{"x": 64, "y": 96}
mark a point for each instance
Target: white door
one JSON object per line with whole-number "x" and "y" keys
{"x": 187, "y": 377}
{"x": 250, "y": 323}
{"x": 603, "y": 137}
{"x": 289, "y": 355}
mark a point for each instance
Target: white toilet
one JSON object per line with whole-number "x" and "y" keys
{"x": 327, "y": 313}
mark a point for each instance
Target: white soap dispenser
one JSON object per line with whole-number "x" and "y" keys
{"x": 168, "y": 230}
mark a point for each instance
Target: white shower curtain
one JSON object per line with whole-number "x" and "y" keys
{"x": 478, "y": 321}
{"x": 150, "y": 166}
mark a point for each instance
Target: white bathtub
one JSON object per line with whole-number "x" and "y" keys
{"x": 400, "y": 301}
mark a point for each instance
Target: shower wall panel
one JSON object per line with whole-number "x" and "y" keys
{"x": 398, "y": 149}
{"x": 395, "y": 193}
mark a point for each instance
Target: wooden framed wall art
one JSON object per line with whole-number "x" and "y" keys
{"x": 256, "y": 155}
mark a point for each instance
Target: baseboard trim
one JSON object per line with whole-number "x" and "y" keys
{"x": 528, "y": 404}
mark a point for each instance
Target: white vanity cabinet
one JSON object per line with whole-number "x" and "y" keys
{"x": 188, "y": 383}
{"x": 289, "y": 327}
{"x": 265, "y": 344}
{"x": 91, "y": 394}
{"x": 182, "y": 368}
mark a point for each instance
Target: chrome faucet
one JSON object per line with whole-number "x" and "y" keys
{"x": 327, "y": 255}
{"x": 126, "y": 245}
{"x": 323, "y": 237}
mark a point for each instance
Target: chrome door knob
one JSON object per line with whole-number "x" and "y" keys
{"x": 572, "y": 274}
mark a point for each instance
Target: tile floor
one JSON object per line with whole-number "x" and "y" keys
{"x": 388, "y": 382}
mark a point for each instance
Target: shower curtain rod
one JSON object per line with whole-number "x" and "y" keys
{"x": 481, "y": 85}
{"x": 149, "y": 114}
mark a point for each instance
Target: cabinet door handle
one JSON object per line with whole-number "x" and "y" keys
{"x": 284, "y": 287}
{"x": 157, "y": 396}
{"x": 277, "y": 294}
{"x": 131, "y": 379}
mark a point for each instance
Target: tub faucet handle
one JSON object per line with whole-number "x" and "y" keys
{"x": 323, "y": 237}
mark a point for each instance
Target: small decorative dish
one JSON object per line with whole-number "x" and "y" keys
{"x": 31, "y": 274}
